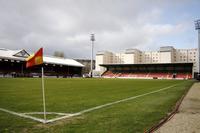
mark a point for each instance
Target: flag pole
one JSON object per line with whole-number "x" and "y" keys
{"x": 43, "y": 95}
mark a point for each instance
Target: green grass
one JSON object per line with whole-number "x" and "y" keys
{"x": 74, "y": 95}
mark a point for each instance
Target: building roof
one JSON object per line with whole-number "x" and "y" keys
{"x": 21, "y": 55}
{"x": 147, "y": 64}
{"x": 61, "y": 61}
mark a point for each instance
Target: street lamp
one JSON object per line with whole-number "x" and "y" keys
{"x": 92, "y": 38}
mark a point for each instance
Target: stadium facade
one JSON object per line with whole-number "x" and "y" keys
{"x": 165, "y": 57}
{"x": 13, "y": 64}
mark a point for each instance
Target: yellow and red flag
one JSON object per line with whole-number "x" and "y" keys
{"x": 36, "y": 59}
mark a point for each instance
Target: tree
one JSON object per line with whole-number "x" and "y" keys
{"x": 59, "y": 54}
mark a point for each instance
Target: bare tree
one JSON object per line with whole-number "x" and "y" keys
{"x": 59, "y": 54}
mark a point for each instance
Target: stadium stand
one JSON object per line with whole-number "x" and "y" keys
{"x": 13, "y": 64}
{"x": 110, "y": 74}
{"x": 150, "y": 71}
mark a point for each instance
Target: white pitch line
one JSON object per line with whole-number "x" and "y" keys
{"x": 22, "y": 115}
{"x": 66, "y": 115}
{"x": 60, "y": 118}
{"x": 109, "y": 104}
{"x": 39, "y": 113}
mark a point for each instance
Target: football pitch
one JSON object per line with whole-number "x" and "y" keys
{"x": 87, "y": 105}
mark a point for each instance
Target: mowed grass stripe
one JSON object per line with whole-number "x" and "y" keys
{"x": 112, "y": 103}
{"x": 131, "y": 116}
{"x": 72, "y": 95}
{"x": 134, "y": 116}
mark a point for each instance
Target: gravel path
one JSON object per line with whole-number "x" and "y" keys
{"x": 187, "y": 120}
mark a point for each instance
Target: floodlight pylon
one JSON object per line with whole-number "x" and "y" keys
{"x": 197, "y": 27}
{"x": 92, "y": 38}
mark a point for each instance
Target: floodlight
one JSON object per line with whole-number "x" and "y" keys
{"x": 92, "y": 37}
{"x": 197, "y": 24}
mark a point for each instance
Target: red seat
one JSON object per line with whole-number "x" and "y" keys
{"x": 147, "y": 75}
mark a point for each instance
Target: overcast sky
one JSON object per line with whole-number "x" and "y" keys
{"x": 66, "y": 25}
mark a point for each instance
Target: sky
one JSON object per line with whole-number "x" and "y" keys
{"x": 66, "y": 25}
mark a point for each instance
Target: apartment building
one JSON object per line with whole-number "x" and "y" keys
{"x": 166, "y": 54}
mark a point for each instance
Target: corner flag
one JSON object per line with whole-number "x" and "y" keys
{"x": 36, "y": 59}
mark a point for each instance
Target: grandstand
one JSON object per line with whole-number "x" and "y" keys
{"x": 13, "y": 64}
{"x": 149, "y": 71}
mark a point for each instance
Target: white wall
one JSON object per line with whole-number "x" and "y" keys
{"x": 99, "y": 60}
{"x": 165, "y": 57}
{"x": 129, "y": 59}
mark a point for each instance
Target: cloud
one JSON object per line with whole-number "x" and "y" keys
{"x": 66, "y": 25}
